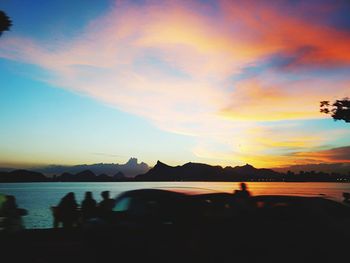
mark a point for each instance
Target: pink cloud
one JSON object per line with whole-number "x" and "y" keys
{"x": 209, "y": 51}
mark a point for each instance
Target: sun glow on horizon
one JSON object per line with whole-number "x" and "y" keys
{"x": 221, "y": 82}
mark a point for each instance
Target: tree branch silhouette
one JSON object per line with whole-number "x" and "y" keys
{"x": 5, "y": 22}
{"x": 339, "y": 110}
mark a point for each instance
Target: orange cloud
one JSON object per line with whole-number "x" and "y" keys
{"x": 334, "y": 155}
{"x": 270, "y": 24}
{"x": 183, "y": 70}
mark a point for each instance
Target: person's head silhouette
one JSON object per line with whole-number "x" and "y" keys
{"x": 243, "y": 186}
{"x": 105, "y": 195}
{"x": 70, "y": 196}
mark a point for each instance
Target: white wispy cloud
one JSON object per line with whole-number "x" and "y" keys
{"x": 177, "y": 67}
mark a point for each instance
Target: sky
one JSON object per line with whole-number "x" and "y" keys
{"x": 220, "y": 82}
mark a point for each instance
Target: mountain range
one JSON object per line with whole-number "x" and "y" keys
{"x": 134, "y": 171}
{"x": 130, "y": 169}
{"x": 204, "y": 172}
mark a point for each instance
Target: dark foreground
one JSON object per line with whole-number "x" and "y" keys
{"x": 250, "y": 241}
{"x": 168, "y": 226}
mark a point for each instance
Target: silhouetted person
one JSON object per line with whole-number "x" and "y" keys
{"x": 243, "y": 192}
{"x": 106, "y": 205}
{"x": 242, "y": 201}
{"x": 67, "y": 212}
{"x": 12, "y": 214}
{"x": 88, "y": 206}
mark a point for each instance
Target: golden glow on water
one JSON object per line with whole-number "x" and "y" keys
{"x": 329, "y": 190}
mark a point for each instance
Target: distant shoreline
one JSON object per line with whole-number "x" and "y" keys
{"x": 189, "y": 172}
{"x": 134, "y": 181}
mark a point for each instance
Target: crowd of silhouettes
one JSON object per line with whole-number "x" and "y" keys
{"x": 69, "y": 214}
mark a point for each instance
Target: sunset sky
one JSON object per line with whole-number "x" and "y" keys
{"x": 219, "y": 82}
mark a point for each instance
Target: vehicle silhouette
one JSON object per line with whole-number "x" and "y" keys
{"x": 197, "y": 225}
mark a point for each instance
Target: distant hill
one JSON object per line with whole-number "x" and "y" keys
{"x": 22, "y": 176}
{"x": 130, "y": 169}
{"x": 7, "y": 169}
{"x": 89, "y": 176}
{"x": 204, "y": 172}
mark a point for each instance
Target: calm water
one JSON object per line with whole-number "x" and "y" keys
{"x": 38, "y": 197}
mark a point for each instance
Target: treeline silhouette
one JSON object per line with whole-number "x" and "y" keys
{"x": 187, "y": 172}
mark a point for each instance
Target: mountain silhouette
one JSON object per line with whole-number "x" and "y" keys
{"x": 89, "y": 176}
{"x": 204, "y": 172}
{"x": 22, "y": 176}
{"x": 130, "y": 169}
{"x": 187, "y": 172}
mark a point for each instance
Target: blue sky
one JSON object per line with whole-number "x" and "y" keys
{"x": 44, "y": 124}
{"x": 219, "y": 82}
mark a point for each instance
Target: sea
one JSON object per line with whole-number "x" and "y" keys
{"x": 37, "y": 198}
